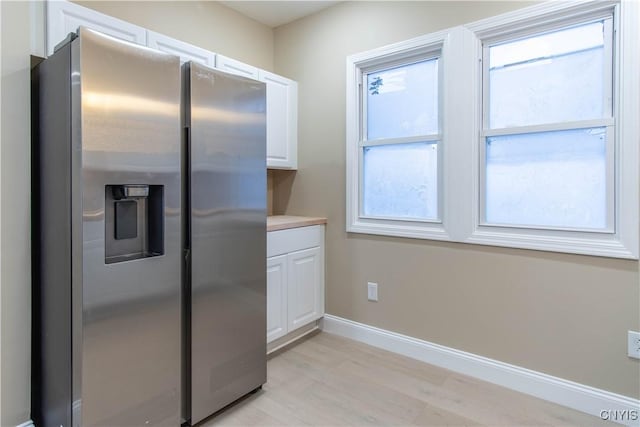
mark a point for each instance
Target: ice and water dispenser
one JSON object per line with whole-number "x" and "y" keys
{"x": 134, "y": 222}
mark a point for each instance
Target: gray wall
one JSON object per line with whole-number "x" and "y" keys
{"x": 564, "y": 315}
{"x": 0, "y": 217}
{"x": 203, "y": 23}
{"x": 15, "y": 213}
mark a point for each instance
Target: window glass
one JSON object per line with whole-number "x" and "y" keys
{"x": 401, "y": 180}
{"x": 547, "y": 179}
{"x": 548, "y": 78}
{"x": 403, "y": 101}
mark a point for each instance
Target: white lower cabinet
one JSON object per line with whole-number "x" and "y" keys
{"x": 276, "y": 297}
{"x": 295, "y": 279}
{"x": 304, "y": 293}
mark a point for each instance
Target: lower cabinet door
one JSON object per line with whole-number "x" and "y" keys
{"x": 276, "y": 297}
{"x": 305, "y": 293}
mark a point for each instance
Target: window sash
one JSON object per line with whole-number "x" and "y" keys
{"x": 397, "y": 141}
{"x": 382, "y": 66}
{"x": 401, "y": 140}
{"x": 519, "y": 130}
{"x": 607, "y": 63}
{"x": 363, "y": 73}
{"x": 609, "y": 184}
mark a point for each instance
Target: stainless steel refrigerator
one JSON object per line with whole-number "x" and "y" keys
{"x": 132, "y": 295}
{"x": 225, "y": 154}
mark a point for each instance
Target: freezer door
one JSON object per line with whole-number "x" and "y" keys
{"x": 126, "y": 151}
{"x": 228, "y": 237}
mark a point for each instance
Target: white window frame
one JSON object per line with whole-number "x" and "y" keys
{"x": 620, "y": 239}
{"x": 462, "y": 142}
{"x": 433, "y": 138}
{"x": 607, "y": 121}
{"x": 358, "y": 67}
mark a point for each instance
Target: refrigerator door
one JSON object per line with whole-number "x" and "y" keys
{"x": 126, "y": 149}
{"x": 228, "y": 237}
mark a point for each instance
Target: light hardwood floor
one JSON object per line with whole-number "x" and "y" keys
{"x": 327, "y": 380}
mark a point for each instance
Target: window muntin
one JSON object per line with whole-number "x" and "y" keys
{"x": 399, "y": 156}
{"x": 548, "y": 138}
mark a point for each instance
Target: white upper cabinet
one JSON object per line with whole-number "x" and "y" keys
{"x": 64, "y": 17}
{"x": 282, "y": 121}
{"x": 186, "y": 51}
{"x": 233, "y": 66}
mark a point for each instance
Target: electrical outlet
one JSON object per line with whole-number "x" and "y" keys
{"x": 372, "y": 291}
{"x": 634, "y": 345}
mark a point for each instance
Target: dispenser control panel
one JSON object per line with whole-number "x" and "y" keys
{"x": 134, "y": 222}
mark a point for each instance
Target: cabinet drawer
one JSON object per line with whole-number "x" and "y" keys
{"x": 294, "y": 239}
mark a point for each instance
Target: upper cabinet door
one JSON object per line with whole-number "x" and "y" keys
{"x": 233, "y": 66}
{"x": 186, "y": 51}
{"x": 282, "y": 121}
{"x": 64, "y": 17}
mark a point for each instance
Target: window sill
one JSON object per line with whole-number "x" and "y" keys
{"x": 594, "y": 244}
{"x": 406, "y": 229}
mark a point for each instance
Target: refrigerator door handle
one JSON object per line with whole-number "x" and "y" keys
{"x": 186, "y": 179}
{"x": 186, "y": 338}
{"x": 187, "y": 264}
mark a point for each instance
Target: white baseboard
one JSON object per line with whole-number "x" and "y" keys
{"x": 284, "y": 341}
{"x": 26, "y": 424}
{"x": 563, "y": 392}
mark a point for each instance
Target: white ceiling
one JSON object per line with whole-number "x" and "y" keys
{"x": 275, "y": 13}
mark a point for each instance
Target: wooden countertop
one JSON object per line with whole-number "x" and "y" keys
{"x": 283, "y": 222}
